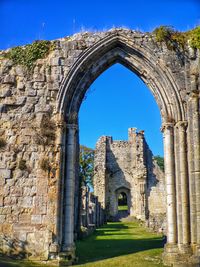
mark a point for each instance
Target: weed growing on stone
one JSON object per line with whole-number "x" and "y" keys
{"x": 28, "y": 54}
{"x": 45, "y": 165}
{"x": 174, "y": 39}
{"x": 46, "y": 134}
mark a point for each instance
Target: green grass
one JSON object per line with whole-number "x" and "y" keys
{"x": 122, "y": 207}
{"x": 120, "y": 244}
{"x": 8, "y": 262}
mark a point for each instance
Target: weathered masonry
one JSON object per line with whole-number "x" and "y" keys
{"x": 40, "y": 142}
{"x": 128, "y": 167}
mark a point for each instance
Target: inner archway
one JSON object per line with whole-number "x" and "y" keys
{"x": 122, "y": 201}
{"x": 142, "y": 61}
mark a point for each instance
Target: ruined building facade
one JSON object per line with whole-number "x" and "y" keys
{"x": 39, "y": 140}
{"x": 128, "y": 167}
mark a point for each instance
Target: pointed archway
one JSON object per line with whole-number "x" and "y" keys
{"x": 144, "y": 62}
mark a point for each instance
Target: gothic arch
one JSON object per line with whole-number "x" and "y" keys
{"x": 142, "y": 60}
{"x": 157, "y": 74}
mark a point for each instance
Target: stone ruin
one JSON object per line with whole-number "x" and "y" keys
{"x": 39, "y": 140}
{"x": 91, "y": 212}
{"x": 129, "y": 167}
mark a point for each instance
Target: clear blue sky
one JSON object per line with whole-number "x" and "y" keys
{"x": 118, "y": 98}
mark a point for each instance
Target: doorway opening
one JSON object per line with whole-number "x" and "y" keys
{"x": 122, "y": 202}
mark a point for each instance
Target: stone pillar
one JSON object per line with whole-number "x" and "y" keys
{"x": 171, "y": 249}
{"x": 196, "y": 148}
{"x": 168, "y": 131}
{"x": 194, "y": 168}
{"x": 60, "y": 157}
{"x": 184, "y": 186}
{"x": 178, "y": 187}
{"x": 68, "y": 235}
{"x": 192, "y": 185}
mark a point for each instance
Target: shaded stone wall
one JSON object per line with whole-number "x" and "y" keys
{"x": 129, "y": 167}
{"x": 92, "y": 213}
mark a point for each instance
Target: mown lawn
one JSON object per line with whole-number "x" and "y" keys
{"x": 117, "y": 244}
{"x": 121, "y": 244}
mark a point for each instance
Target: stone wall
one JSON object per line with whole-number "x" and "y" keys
{"x": 92, "y": 212}
{"x": 129, "y": 167}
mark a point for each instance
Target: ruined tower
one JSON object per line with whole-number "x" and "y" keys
{"x": 128, "y": 167}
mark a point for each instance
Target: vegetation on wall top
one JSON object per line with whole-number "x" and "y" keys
{"x": 28, "y": 54}
{"x": 174, "y": 39}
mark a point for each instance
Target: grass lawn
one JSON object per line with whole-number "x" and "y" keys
{"x": 122, "y": 207}
{"x": 121, "y": 244}
{"x": 8, "y": 262}
{"x": 118, "y": 244}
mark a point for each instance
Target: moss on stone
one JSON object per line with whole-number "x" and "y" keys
{"x": 28, "y": 54}
{"x": 175, "y": 39}
{"x": 195, "y": 37}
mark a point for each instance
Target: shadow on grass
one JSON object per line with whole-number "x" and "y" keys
{"x": 115, "y": 239}
{"x": 6, "y": 261}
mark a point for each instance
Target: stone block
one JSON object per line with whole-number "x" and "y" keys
{"x": 26, "y": 202}
{"x": 22, "y": 236}
{"x": 2, "y": 181}
{"x": 10, "y": 200}
{"x": 55, "y": 61}
{"x": 21, "y": 101}
{"x": 36, "y": 219}
{"x": 42, "y": 186}
{"x": 9, "y": 79}
{"x": 10, "y": 218}
{"x": 5, "y": 174}
{"x": 25, "y": 218}
{"x": 29, "y": 191}
{"x": 5, "y": 210}
{"x": 32, "y": 92}
{"x": 7, "y": 228}
{"x": 39, "y": 77}
{"x": 40, "y": 205}
{"x": 5, "y": 91}
{"x": 16, "y": 191}
{"x": 24, "y": 228}
{"x": 19, "y": 70}
{"x": 2, "y": 218}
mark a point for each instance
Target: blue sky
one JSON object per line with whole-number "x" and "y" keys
{"x": 118, "y": 99}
